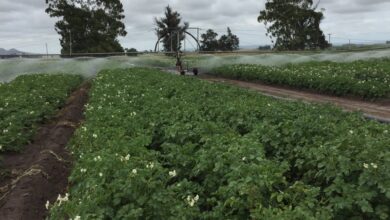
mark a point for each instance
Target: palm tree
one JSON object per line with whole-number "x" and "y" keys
{"x": 170, "y": 30}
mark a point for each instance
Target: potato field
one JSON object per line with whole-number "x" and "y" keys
{"x": 159, "y": 146}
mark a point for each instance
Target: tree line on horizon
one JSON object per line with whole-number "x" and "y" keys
{"x": 171, "y": 30}
{"x": 93, "y": 26}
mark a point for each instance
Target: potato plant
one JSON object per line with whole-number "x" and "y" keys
{"x": 159, "y": 146}
{"x": 364, "y": 79}
{"x": 27, "y": 101}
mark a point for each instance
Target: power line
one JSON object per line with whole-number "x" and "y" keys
{"x": 47, "y": 51}
{"x": 359, "y": 39}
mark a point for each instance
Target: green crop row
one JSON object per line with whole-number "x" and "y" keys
{"x": 27, "y": 101}
{"x": 365, "y": 79}
{"x": 158, "y": 146}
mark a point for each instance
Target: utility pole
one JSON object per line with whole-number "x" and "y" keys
{"x": 349, "y": 44}
{"x": 47, "y": 52}
{"x": 329, "y": 37}
{"x": 70, "y": 43}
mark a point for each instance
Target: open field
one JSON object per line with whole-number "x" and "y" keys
{"x": 28, "y": 101}
{"x": 364, "y": 79}
{"x": 208, "y": 62}
{"x": 194, "y": 110}
{"x": 88, "y": 67}
{"x": 378, "y": 110}
{"x": 40, "y": 171}
{"x": 160, "y": 146}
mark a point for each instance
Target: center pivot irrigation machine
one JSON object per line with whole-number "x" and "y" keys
{"x": 176, "y": 52}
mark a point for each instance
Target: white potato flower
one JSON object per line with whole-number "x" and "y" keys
{"x": 150, "y": 165}
{"x": 172, "y": 173}
{"x": 192, "y": 200}
{"x": 61, "y": 199}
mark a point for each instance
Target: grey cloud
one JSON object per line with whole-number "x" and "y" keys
{"x": 371, "y": 2}
{"x": 354, "y": 6}
{"x": 24, "y": 23}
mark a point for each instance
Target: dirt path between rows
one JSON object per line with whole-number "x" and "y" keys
{"x": 378, "y": 111}
{"x": 40, "y": 173}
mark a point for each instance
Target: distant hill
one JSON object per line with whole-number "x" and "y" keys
{"x": 11, "y": 52}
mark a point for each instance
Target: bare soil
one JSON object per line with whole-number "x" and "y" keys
{"x": 40, "y": 173}
{"x": 375, "y": 110}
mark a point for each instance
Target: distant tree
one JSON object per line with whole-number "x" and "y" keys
{"x": 294, "y": 24}
{"x": 131, "y": 52}
{"x": 88, "y": 25}
{"x": 168, "y": 27}
{"x": 265, "y": 47}
{"x": 228, "y": 42}
{"x": 209, "y": 41}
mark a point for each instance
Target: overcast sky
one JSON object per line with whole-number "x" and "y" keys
{"x": 24, "y": 25}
